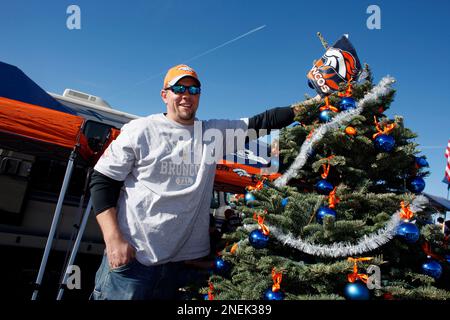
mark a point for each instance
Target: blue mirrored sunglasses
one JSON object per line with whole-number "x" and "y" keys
{"x": 177, "y": 89}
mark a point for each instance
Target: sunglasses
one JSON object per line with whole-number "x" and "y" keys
{"x": 177, "y": 89}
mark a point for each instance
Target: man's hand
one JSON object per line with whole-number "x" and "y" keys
{"x": 119, "y": 251}
{"x": 306, "y": 103}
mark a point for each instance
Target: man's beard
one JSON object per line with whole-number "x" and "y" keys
{"x": 186, "y": 115}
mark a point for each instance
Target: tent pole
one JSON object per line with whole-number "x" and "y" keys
{"x": 76, "y": 226}
{"x": 75, "y": 249}
{"x": 54, "y": 223}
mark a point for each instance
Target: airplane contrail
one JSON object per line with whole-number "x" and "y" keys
{"x": 225, "y": 43}
{"x": 201, "y": 54}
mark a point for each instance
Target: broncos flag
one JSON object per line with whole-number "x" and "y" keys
{"x": 339, "y": 63}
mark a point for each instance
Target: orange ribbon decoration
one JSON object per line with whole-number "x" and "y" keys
{"x": 386, "y": 130}
{"x": 328, "y": 106}
{"x": 355, "y": 275}
{"x": 333, "y": 200}
{"x": 310, "y": 134}
{"x": 405, "y": 212}
{"x": 258, "y": 185}
{"x": 262, "y": 226}
{"x": 326, "y": 167}
{"x": 234, "y": 248}
{"x": 210, "y": 291}
{"x": 349, "y": 91}
{"x": 276, "y": 277}
{"x": 427, "y": 249}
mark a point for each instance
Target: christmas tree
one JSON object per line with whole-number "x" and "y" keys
{"x": 346, "y": 220}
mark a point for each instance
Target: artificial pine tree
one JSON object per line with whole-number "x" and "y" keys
{"x": 348, "y": 202}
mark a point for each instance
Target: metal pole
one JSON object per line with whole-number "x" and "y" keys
{"x": 76, "y": 227}
{"x": 54, "y": 224}
{"x": 75, "y": 248}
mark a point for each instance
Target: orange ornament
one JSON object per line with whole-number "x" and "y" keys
{"x": 350, "y": 131}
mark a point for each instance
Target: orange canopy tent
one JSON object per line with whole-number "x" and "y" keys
{"x": 228, "y": 179}
{"x": 33, "y": 122}
{"x": 22, "y": 122}
{"x": 38, "y": 130}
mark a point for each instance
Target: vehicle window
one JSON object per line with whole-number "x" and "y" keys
{"x": 215, "y": 200}
{"x": 96, "y": 134}
{"x": 228, "y": 196}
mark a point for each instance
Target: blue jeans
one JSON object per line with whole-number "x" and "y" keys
{"x": 135, "y": 281}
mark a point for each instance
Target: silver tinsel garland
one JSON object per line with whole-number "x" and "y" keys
{"x": 382, "y": 89}
{"x": 367, "y": 242}
{"x": 345, "y": 249}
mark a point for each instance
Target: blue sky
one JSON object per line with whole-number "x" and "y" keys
{"x": 124, "y": 48}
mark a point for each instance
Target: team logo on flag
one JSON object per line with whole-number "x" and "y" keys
{"x": 339, "y": 63}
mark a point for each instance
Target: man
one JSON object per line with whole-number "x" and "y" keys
{"x": 152, "y": 204}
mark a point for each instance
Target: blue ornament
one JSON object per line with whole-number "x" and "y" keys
{"x": 416, "y": 185}
{"x": 356, "y": 291}
{"x": 312, "y": 152}
{"x": 447, "y": 257}
{"x": 432, "y": 268}
{"x": 326, "y": 115}
{"x": 324, "y": 211}
{"x": 271, "y": 295}
{"x": 205, "y": 296}
{"x": 294, "y": 124}
{"x": 221, "y": 266}
{"x": 384, "y": 143}
{"x": 324, "y": 187}
{"x": 421, "y": 162}
{"x": 284, "y": 202}
{"x": 347, "y": 103}
{"x": 249, "y": 197}
{"x": 408, "y": 231}
{"x": 258, "y": 239}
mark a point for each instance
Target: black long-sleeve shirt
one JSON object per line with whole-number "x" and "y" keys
{"x": 105, "y": 191}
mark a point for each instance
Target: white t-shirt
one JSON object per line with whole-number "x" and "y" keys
{"x": 168, "y": 171}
